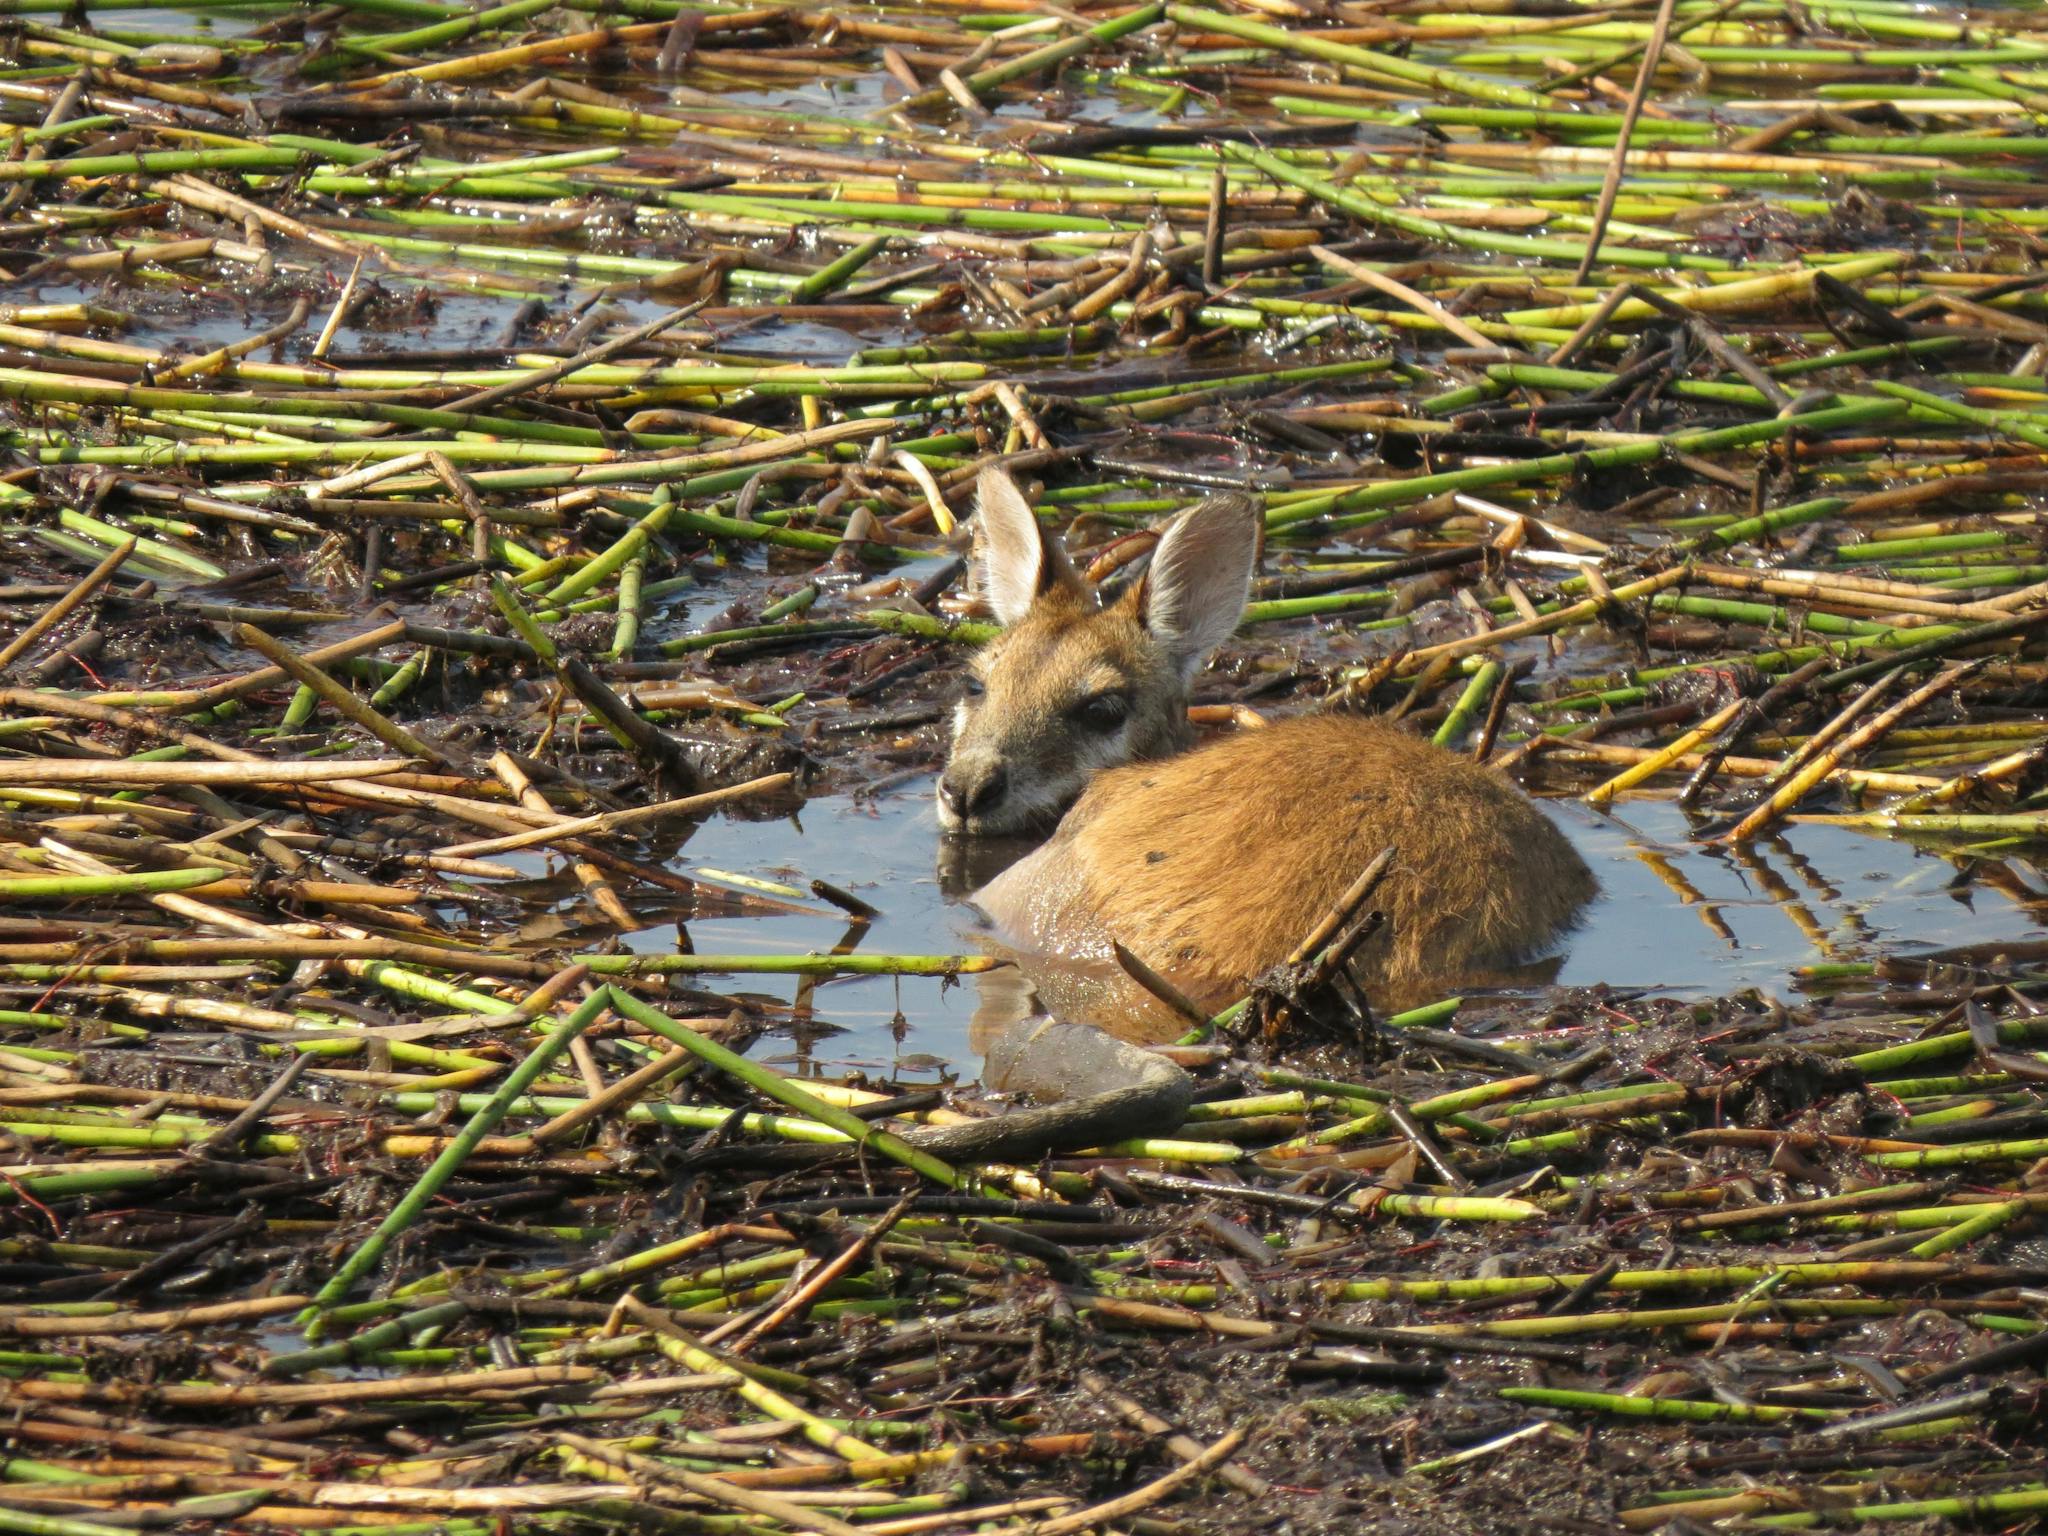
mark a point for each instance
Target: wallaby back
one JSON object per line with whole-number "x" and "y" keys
{"x": 1213, "y": 865}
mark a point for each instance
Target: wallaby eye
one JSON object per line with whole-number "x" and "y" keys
{"x": 1104, "y": 712}
{"x": 972, "y": 686}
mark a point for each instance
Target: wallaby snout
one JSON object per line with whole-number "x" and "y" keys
{"x": 972, "y": 789}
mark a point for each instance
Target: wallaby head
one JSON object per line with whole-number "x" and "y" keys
{"x": 1072, "y": 686}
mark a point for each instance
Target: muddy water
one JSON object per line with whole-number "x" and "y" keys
{"x": 1673, "y": 916}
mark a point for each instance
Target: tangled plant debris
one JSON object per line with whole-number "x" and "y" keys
{"x": 454, "y": 454}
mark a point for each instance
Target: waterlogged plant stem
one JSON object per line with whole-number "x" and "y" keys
{"x": 66, "y": 605}
{"x": 785, "y": 1092}
{"x": 409, "y": 1210}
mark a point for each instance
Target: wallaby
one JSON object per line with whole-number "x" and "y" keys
{"x": 1211, "y": 864}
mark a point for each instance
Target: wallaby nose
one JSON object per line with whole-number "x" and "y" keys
{"x": 968, "y": 792}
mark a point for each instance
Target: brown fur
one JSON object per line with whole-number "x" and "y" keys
{"x": 1213, "y": 865}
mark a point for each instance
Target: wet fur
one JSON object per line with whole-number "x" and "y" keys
{"x": 1211, "y": 866}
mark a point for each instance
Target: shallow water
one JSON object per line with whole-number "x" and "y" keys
{"x": 1673, "y": 915}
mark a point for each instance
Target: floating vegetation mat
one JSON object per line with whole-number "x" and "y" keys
{"x": 452, "y": 456}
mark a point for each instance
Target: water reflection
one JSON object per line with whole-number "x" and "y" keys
{"x": 1673, "y": 914}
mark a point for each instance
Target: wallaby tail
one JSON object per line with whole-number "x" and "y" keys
{"x": 1107, "y": 1090}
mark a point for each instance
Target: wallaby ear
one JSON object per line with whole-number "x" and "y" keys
{"x": 1019, "y": 559}
{"x": 1201, "y": 573}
